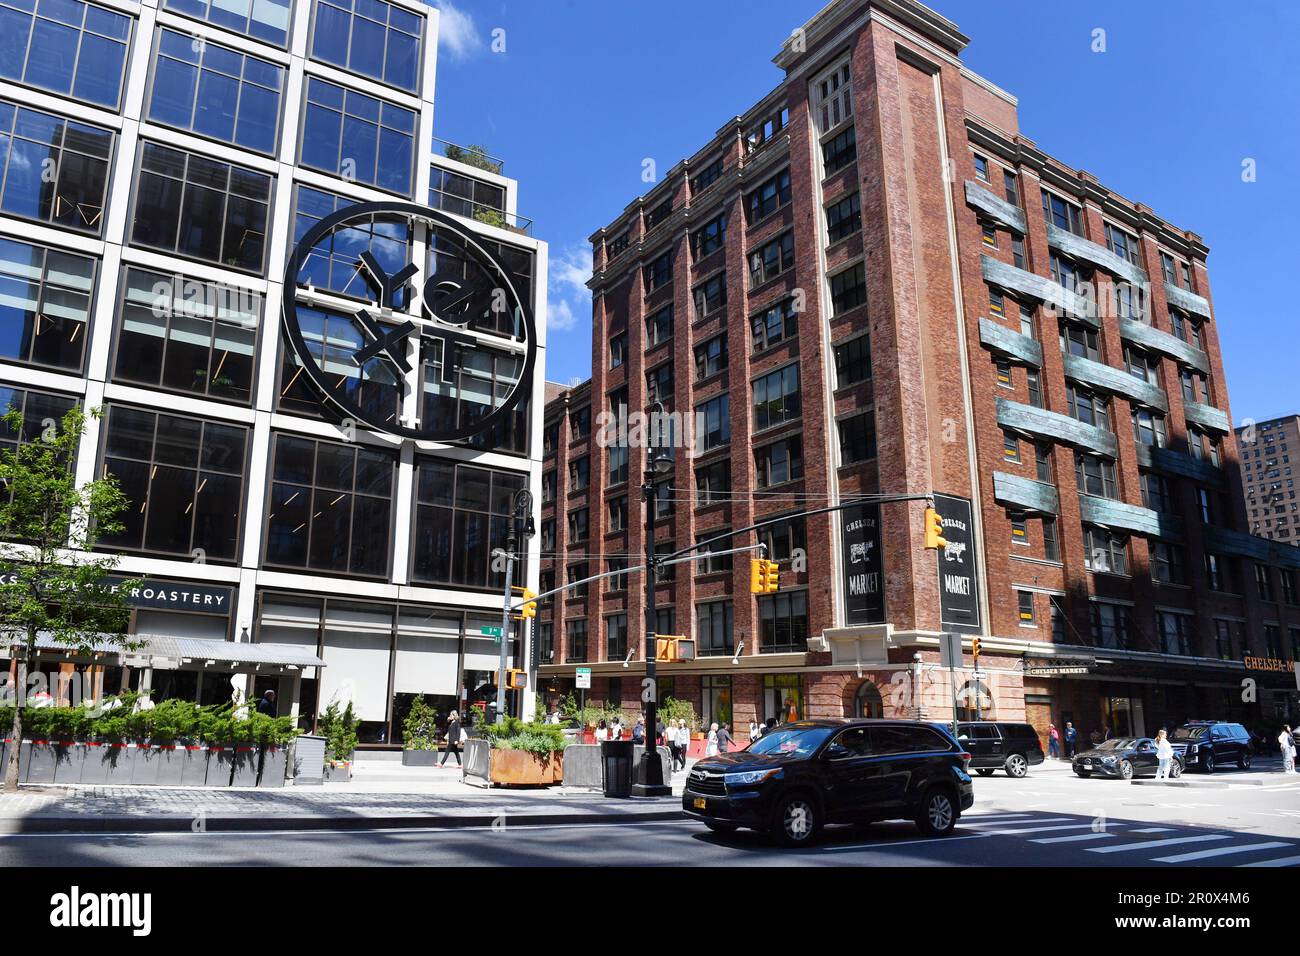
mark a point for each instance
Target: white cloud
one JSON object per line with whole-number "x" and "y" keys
{"x": 457, "y": 34}
{"x": 560, "y": 316}
{"x": 569, "y": 298}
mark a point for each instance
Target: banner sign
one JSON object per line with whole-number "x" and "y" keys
{"x": 170, "y": 596}
{"x": 959, "y": 598}
{"x": 862, "y": 566}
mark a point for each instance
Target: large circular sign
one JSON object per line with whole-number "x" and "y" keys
{"x": 460, "y": 315}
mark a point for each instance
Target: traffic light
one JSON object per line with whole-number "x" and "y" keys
{"x": 516, "y": 679}
{"x": 757, "y": 576}
{"x": 771, "y": 576}
{"x": 934, "y": 530}
{"x": 529, "y": 607}
{"x": 976, "y": 649}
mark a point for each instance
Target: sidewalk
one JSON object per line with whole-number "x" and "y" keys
{"x": 381, "y": 795}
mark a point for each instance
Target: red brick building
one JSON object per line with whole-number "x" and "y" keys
{"x": 872, "y": 284}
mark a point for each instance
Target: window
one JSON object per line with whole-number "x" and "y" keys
{"x": 1010, "y": 448}
{"x": 1062, "y": 214}
{"x": 839, "y": 151}
{"x": 68, "y": 47}
{"x": 771, "y": 259}
{"x": 784, "y": 539}
{"x": 215, "y": 91}
{"x": 1019, "y": 527}
{"x": 713, "y": 483}
{"x": 580, "y": 423}
{"x": 1272, "y": 641}
{"x": 712, "y": 564}
{"x": 616, "y": 634}
{"x": 1088, "y": 408}
{"x": 1034, "y": 385}
{"x": 37, "y": 409}
{"x": 832, "y": 97}
{"x": 711, "y": 295}
{"x": 1068, "y": 275}
{"x": 462, "y": 512}
{"x": 711, "y": 357}
{"x": 1223, "y": 642}
{"x": 1193, "y": 386}
{"x": 617, "y": 245}
{"x": 370, "y": 37}
{"x": 617, "y": 508}
{"x": 618, "y": 582}
{"x": 709, "y": 238}
{"x": 713, "y": 623}
{"x": 989, "y": 236}
{"x": 575, "y": 644}
{"x": 332, "y": 262}
{"x": 767, "y": 198}
{"x": 467, "y": 196}
{"x": 665, "y": 501}
{"x": 1043, "y": 461}
{"x": 548, "y": 537}
{"x": 1081, "y": 341}
{"x": 1218, "y": 571}
{"x": 333, "y": 338}
{"x": 329, "y": 507}
{"x": 45, "y": 301}
{"x": 183, "y": 479}
{"x": 1148, "y": 428}
{"x": 35, "y": 145}
{"x": 783, "y": 623}
{"x": 1264, "y": 583}
{"x": 1025, "y": 605}
{"x": 1003, "y": 367}
{"x": 848, "y": 289}
{"x": 659, "y": 384}
{"x": 187, "y": 336}
{"x": 776, "y": 397}
{"x": 1143, "y": 366}
{"x": 1018, "y": 252}
{"x": 266, "y": 20}
{"x": 1175, "y": 632}
{"x": 658, "y": 214}
{"x": 857, "y": 438}
{"x": 997, "y": 305}
{"x": 659, "y": 327}
{"x": 1122, "y": 244}
{"x": 843, "y": 218}
{"x": 774, "y": 325}
{"x": 1095, "y": 475}
{"x": 714, "y": 416}
{"x": 579, "y": 524}
{"x": 618, "y": 458}
{"x": 1104, "y": 551}
{"x": 779, "y": 462}
{"x": 576, "y": 573}
{"x": 1111, "y": 625}
{"x": 707, "y": 177}
{"x": 853, "y": 361}
{"x": 658, "y": 273}
{"x": 1287, "y": 577}
{"x": 1206, "y": 447}
{"x": 1051, "y": 544}
{"x": 1168, "y": 564}
{"x": 358, "y": 137}
{"x": 618, "y": 350}
{"x": 981, "y": 168}
{"x": 548, "y": 486}
{"x": 579, "y": 474}
{"x": 201, "y": 208}
{"x": 1009, "y": 187}
{"x": 1155, "y": 492}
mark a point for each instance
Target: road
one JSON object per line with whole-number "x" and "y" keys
{"x": 1048, "y": 819}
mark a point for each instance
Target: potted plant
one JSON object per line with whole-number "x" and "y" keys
{"x": 247, "y": 750}
{"x": 39, "y": 749}
{"x": 420, "y": 734}
{"x": 172, "y": 728}
{"x": 273, "y": 736}
{"x": 108, "y": 751}
{"x": 525, "y": 754}
{"x": 217, "y": 726}
{"x": 339, "y": 728}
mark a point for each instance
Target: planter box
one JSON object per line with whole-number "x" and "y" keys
{"x": 107, "y": 762}
{"x": 419, "y": 758}
{"x": 275, "y": 765}
{"x": 247, "y": 759}
{"x": 339, "y": 774}
{"x": 38, "y": 761}
{"x": 144, "y": 768}
{"x": 69, "y": 760}
{"x": 193, "y": 759}
{"x": 170, "y": 762}
{"x": 519, "y": 768}
{"x": 221, "y": 765}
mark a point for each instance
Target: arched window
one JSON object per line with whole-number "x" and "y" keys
{"x": 867, "y": 702}
{"x": 974, "y": 702}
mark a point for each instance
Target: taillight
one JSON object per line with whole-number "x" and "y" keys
{"x": 965, "y": 757}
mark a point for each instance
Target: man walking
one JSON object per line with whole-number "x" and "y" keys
{"x": 683, "y": 740}
{"x": 1071, "y": 735}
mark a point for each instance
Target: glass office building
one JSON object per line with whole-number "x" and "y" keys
{"x": 175, "y": 151}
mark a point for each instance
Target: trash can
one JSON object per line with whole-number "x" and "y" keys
{"x": 616, "y": 767}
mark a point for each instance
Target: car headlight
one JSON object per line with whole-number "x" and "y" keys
{"x": 748, "y": 778}
{"x": 1108, "y": 760}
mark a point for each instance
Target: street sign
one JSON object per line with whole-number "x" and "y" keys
{"x": 959, "y": 597}
{"x": 582, "y": 678}
{"x": 950, "y": 650}
{"x": 1054, "y": 671}
{"x": 490, "y": 631}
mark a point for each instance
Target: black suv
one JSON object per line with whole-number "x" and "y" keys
{"x": 1209, "y": 744}
{"x": 800, "y": 776}
{"x": 996, "y": 746}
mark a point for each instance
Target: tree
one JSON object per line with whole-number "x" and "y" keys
{"x": 51, "y": 580}
{"x": 473, "y": 155}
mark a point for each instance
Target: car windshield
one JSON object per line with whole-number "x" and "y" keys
{"x": 791, "y": 740}
{"x": 1118, "y": 743}
{"x": 1189, "y": 733}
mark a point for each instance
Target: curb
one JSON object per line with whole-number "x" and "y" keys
{"x": 248, "y": 824}
{"x": 1180, "y": 782}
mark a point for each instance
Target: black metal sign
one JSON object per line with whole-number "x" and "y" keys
{"x": 863, "y": 566}
{"x": 959, "y": 597}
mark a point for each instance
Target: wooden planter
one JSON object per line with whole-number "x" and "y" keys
{"x": 519, "y": 768}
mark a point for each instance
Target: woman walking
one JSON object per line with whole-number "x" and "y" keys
{"x": 1164, "y": 755}
{"x": 453, "y": 739}
{"x": 1053, "y": 742}
{"x": 711, "y": 747}
{"x": 1286, "y": 741}
{"x": 683, "y": 740}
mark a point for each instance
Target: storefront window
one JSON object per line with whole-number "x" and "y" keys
{"x": 867, "y": 702}
{"x": 715, "y": 702}
{"x": 358, "y": 641}
{"x": 782, "y": 697}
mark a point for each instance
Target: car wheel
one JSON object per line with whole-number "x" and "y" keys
{"x": 717, "y": 827}
{"x": 796, "y": 821}
{"x": 1207, "y": 761}
{"x": 1244, "y": 761}
{"x": 983, "y": 772}
{"x": 938, "y": 813}
{"x": 1175, "y": 770}
{"x": 1125, "y": 770}
{"x": 1017, "y": 766}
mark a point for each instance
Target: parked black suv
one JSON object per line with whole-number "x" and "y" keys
{"x": 998, "y": 746}
{"x": 1209, "y": 744}
{"x": 800, "y": 776}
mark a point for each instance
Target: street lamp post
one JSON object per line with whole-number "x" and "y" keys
{"x": 521, "y": 530}
{"x": 650, "y": 773}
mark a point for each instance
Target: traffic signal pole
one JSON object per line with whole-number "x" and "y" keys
{"x": 523, "y": 509}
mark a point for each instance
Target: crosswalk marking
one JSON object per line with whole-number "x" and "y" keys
{"x": 1279, "y": 861}
{"x": 997, "y": 825}
{"x": 1154, "y": 830}
{"x": 1036, "y": 829}
{"x": 1078, "y": 838}
{"x": 1219, "y": 851}
{"x": 1144, "y": 844}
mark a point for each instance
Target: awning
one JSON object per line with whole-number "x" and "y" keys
{"x": 164, "y": 651}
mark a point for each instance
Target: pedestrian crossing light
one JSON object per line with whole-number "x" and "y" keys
{"x": 934, "y": 530}
{"x": 516, "y": 679}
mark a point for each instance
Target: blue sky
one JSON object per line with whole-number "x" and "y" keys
{"x": 1185, "y": 91}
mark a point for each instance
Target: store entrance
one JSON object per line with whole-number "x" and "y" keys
{"x": 1125, "y": 716}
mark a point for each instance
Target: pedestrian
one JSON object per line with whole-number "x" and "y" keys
{"x": 1110, "y": 732}
{"x": 1071, "y": 738}
{"x": 711, "y": 745}
{"x": 638, "y": 731}
{"x": 602, "y": 731}
{"x": 1053, "y": 742}
{"x": 453, "y": 739}
{"x": 1164, "y": 754}
{"x": 770, "y": 725}
{"x": 753, "y": 731}
{"x": 683, "y": 740}
{"x": 669, "y": 736}
{"x": 724, "y": 739}
{"x": 1286, "y": 741}
{"x": 659, "y": 733}
{"x": 267, "y": 704}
